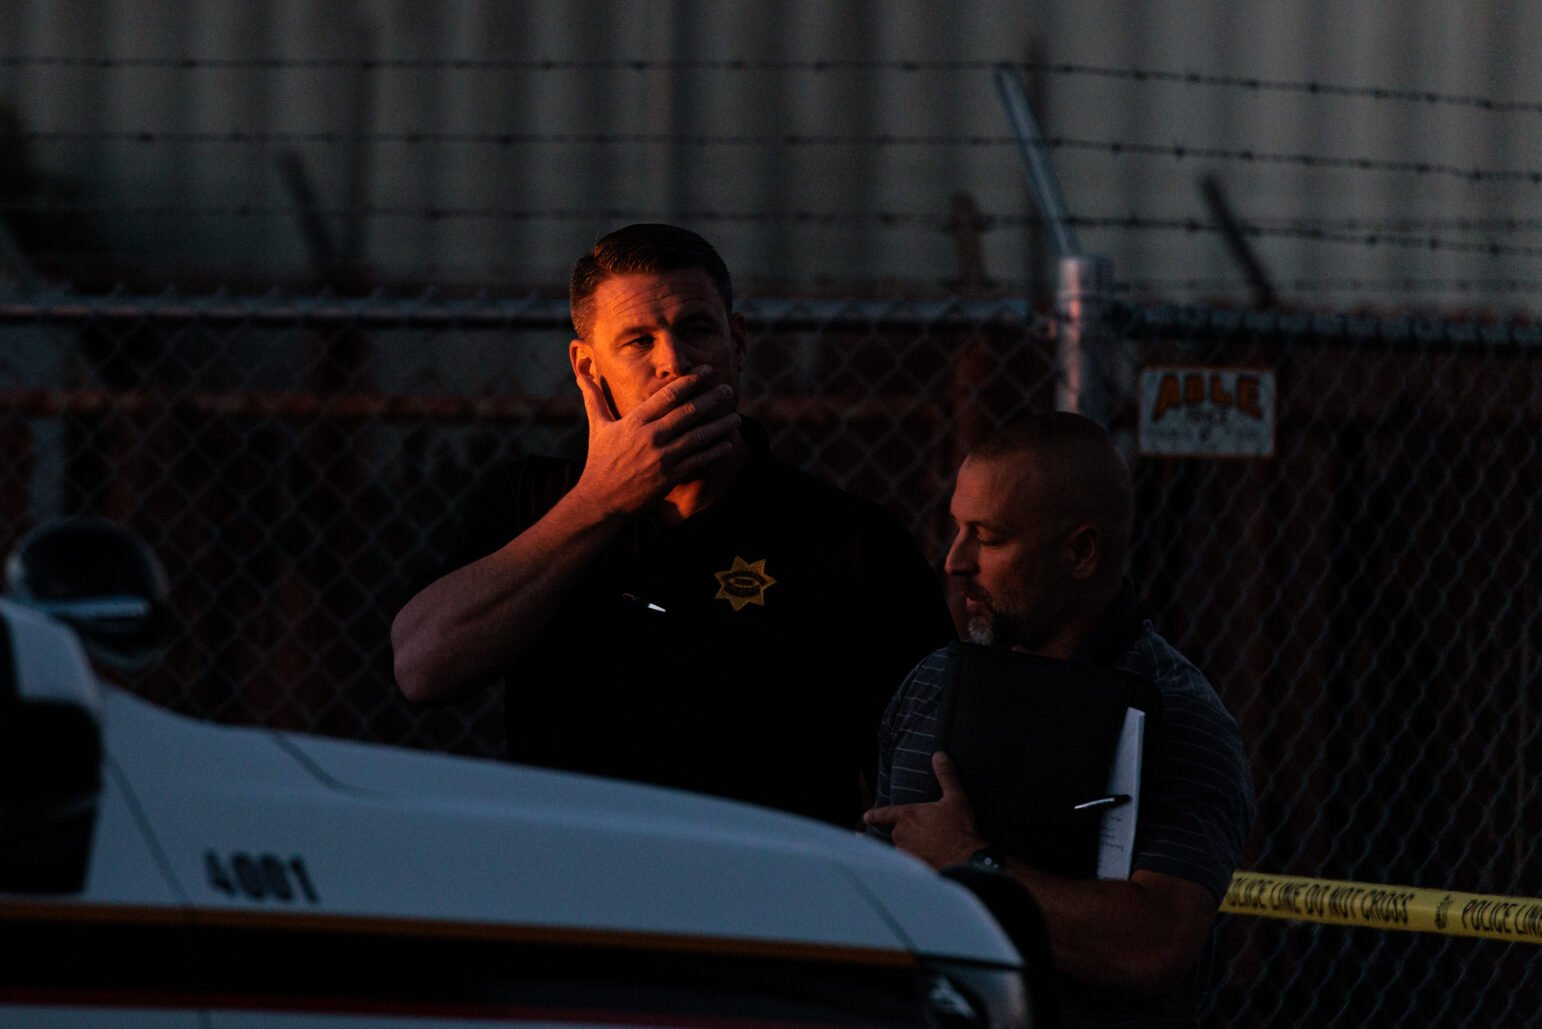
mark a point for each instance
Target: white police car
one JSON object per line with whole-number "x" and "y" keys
{"x": 160, "y": 871}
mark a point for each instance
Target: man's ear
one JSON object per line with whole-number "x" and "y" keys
{"x": 1083, "y": 551}
{"x": 581, "y": 357}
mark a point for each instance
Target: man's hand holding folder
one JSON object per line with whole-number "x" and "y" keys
{"x": 941, "y": 833}
{"x": 944, "y": 833}
{"x": 1035, "y": 742}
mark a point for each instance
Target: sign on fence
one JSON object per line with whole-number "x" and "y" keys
{"x": 1202, "y": 411}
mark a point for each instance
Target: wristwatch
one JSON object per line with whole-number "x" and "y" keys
{"x": 988, "y": 858}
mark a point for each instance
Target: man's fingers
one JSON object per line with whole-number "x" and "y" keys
{"x": 684, "y": 469}
{"x": 667, "y": 398}
{"x": 595, "y": 404}
{"x": 705, "y": 435}
{"x": 883, "y": 815}
{"x": 696, "y": 411}
{"x": 947, "y": 774}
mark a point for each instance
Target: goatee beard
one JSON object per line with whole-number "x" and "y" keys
{"x": 981, "y": 631}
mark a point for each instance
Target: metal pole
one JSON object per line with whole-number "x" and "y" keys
{"x": 1083, "y": 283}
{"x": 1081, "y": 300}
{"x": 1041, "y": 176}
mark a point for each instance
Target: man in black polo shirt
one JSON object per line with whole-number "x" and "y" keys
{"x": 1043, "y": 513}
{"x": 681, "y": 609}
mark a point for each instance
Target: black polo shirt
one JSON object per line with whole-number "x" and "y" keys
{"x": 748, "y": 652}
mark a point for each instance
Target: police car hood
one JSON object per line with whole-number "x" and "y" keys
{"x": 239, "y": 817}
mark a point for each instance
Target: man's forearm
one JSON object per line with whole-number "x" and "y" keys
{"x": 454, "y": 636}
{"x": 1140, "y": 935}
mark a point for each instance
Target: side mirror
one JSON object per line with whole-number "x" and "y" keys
{"x": 50, "y": 754}
{"x": 98, "y": 578}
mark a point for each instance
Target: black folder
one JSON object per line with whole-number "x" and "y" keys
{"x": 1031, "y": 738}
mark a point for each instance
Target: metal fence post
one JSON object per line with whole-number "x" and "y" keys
{"x": 1082, "y": 289}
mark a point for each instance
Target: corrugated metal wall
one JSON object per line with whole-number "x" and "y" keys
{"x": 791, "y": 216}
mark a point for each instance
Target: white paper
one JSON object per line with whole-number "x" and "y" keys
{"x": 1116, "y": 835}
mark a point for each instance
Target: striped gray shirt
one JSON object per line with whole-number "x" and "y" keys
{"x": 1196, "y": 798}
{"x": 1196, "y": 792}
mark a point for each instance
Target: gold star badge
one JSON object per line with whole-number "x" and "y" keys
{"x": 744, "y": 583}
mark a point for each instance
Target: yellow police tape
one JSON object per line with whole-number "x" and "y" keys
{"x": 1516, "y": 919}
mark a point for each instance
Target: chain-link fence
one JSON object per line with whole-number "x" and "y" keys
{"x": 1364, "y": 600}
{"x": 297, "y": 465}
{"x": 1366, "y": 603}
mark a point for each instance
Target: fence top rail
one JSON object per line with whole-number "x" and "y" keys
{"x": 786, "y": 314}
{"x": 429, "y": 311}
{"x": 1171, "y": 321}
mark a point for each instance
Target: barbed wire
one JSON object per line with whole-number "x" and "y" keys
{"x": 903, "y": 65}
{"x": 1184, "y": 152}
{"x": 1117, "y": 148}
{"x": 1371, "y": 231}
{"x": 930, "y": 220}
{"x": 1490, "y": 248}
{"x": 472, "y": 272}
{"x": 1456, "y": 223}
{"x": 1308, "y": 87}
{"x": 829, "y": 219}
{"x": 240, "y": 136}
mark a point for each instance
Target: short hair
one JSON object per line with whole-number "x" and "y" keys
{"x": 644, "y": 247}
{"x": 1081, "y": 462}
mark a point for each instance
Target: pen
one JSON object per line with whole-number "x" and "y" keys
{"x": 1102, "y": 802}
{"x": 640, "y": 602}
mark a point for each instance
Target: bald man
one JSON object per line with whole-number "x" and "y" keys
{"x": 1043, "y": 513}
